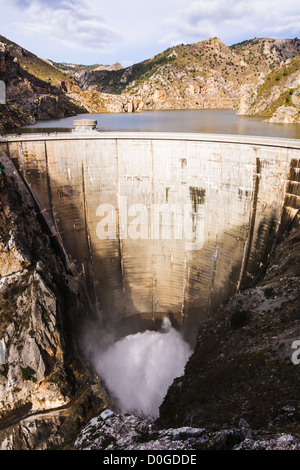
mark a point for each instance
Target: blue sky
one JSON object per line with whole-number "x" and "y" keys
{"x": 128, "y": 31}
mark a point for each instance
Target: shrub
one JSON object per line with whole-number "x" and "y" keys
{"x": 27, "y": 372}
{"x": 269, "y": 292}
{"x": 239, "y": 318}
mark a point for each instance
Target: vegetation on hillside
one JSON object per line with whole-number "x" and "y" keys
{"x": 35, "y": 66}
{"x": 205, "y": 74}
{"x": 239, "y": 64}
{"x": 278, "y": 80}
{"x": 242, "y": 363}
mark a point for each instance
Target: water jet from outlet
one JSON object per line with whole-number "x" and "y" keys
{"x": 139, "y": 368}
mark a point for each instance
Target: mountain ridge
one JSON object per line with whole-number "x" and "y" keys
{"x": 35, "y": 90}
{"x": 203, "y": 75}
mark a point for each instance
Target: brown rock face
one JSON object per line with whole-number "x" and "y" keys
{"x": 28, "y": 96}
{"x": 69, "y": 87}
{"x": 159, "y": 95}
{"x": 11, "y": 260}
{"x": 242, "y": 364}
{"x": 286, "y": 115}
{"x": 40, "y": 303}
{"x": 192, "y": 90}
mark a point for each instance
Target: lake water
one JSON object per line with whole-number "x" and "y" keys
{"x": 217, "y": 121}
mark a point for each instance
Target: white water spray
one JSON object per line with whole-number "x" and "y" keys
{"x": 139, "y": 368}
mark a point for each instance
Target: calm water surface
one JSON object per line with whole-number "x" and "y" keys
{"x": 216, "y": 121}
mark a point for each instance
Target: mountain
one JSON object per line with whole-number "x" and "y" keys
{"x": 207, "y": 74}
{"x": 35, "y": 89}
{"x": 242, "y": 364}
{"x": 276, "y": 95}
{"x": 258, "y": 76}
{"x": 79, "y": 70}
{"x": 39, "y": 89}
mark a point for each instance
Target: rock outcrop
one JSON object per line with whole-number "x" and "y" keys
{"x": 31, "y": 93}
{"x": 207, "y": 74}
{"x": 41, "y": 307}
{"x": 242, "y": 363}
{"x": 109, "y": 431}
{"x": 97, "y": 102}
{"x": 275, "y": 95}
{"x": 285, "y": 115}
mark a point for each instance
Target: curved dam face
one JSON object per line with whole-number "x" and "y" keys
{"x": 162, "y": 224}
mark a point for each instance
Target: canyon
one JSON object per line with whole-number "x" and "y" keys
{"x": 62, "y": 179}
{"x": 254, "y": 77}
{"x": 110, "y": 234}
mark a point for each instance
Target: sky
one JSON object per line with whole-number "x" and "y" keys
{"x": 129, "y": 31}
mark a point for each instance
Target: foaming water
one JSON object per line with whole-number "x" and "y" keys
{"x": 139, "y": 368}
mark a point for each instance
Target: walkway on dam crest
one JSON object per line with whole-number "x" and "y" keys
{"x": 198, "y": 137}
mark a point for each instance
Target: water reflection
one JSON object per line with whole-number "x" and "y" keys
{"x": 219, "y": 121}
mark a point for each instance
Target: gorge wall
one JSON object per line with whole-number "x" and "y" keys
{"x": 161, "y": 224}
{"x": 47, "y": 389}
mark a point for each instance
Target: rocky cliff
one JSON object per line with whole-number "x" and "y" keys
{"x": 109, "y": 431}
{"x": 207, "y": 74}
{"x": 95, "y": 102}
{"x": 47, "y": 390}
{"x": 276, "y": 95}
{"x": 242, "y": 363}
{"x": 35, "y": 90}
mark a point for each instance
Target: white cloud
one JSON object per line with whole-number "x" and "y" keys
{"x": 79, "y": 23}
{"x": 230, "y": 19}
{"x": 134, "y": 30}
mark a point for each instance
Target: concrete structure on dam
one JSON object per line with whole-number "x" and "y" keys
{"x": 161, "y": 224}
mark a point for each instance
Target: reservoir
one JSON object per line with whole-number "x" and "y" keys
{"x": 212, "y": 121}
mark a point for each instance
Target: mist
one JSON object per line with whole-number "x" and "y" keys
{"x": 139, "y": 368}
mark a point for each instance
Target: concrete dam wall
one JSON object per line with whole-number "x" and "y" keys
{"x": 162, "y": 224}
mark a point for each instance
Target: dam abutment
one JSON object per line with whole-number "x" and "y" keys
{"x": 162, "y": 224}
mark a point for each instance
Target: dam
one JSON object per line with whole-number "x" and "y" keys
{"x": 161, "y": 224}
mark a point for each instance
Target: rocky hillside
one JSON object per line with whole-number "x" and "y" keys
{"x": 47, "y": 390}
{"x": 276, "y": 95}
{"x": 207, "y": 74}
{"x": 79, "y": 70}
{"x": 40, "y": 89}
{"x": 258, "y": 76}
{"x": 242, "y": 364}
{"x": 35, "y": 89}
{"x": 128, "y": 432}
{"x": 95, "y": 102}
